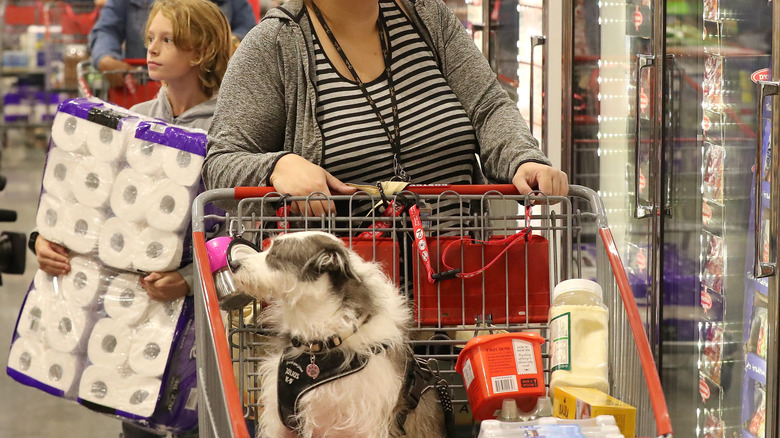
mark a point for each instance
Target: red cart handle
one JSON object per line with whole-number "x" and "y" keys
{"x": 138, "y": 62}
{"x": 420, "y": 189}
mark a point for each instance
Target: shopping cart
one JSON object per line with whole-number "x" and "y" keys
{"x": 228, "y": 350}
{"x": 136, "y": 87}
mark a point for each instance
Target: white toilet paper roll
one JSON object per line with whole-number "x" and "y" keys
{"x": 49, "y": 217}
{"x": 65, "y": 328}
{"x": 116, "y": 242}
{"x": 82, "y": 283}
{"x": 149, "y": 350}
{"x": 157, "y": 251}
{"x": 139, "y": 395}
{"x": 60, "y": 369}
{"x": 109, "y": 343}
{"x": 104, "y": 143}
{"x": 68, "y": 132}
{"x": 129, "y": 195}
{"x": 169, "y": 206}
{"x": 92, "y": 181}
{"x": 27, "y": 357}
{"x": 144, "y": 156}
{"x": 59, "y": 168}
{"x": 165, "y": 314}
{"x": 101, "y": 385}
{"x": 33, "y": 316}
{"x": 182, "y": 167}
{"x": 126, "y": 300}
{"x": 44, "y": 284}
{"x": 81, "y": 226}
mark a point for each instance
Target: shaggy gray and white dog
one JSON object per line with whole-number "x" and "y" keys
{"x": 334, "y": 314}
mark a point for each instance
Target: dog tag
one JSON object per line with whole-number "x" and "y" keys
{"x": 312, "y": 370}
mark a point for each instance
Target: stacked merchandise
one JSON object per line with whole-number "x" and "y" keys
{"x": 727, "y": 95}
{"x": 117, "y": 191}
{"x": 756, "y": 330}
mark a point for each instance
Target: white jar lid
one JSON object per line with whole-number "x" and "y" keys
{"x": 577, "y": 284}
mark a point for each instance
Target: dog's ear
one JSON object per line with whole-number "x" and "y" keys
{"x": 333, "y": 259}
{"x": 239, "y": 249}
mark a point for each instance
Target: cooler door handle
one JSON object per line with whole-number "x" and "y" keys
{"x": 761, "y": 268}
{"x": 672, "y": 120}
{"x": 536, "y": 40}
{"x": 643, "y": 61}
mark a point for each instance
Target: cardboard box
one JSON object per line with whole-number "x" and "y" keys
{"x": 581, "y": 403}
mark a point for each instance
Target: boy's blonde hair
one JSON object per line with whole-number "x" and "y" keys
{"x": 199, "y": 25}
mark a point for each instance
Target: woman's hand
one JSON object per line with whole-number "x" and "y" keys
{"x": 165, "y": 286}
{"x": 532, "y": 176}
{"x": 296, "y": 176}
{"x": 53, "y": 259}
{"x": 110, "y": 64}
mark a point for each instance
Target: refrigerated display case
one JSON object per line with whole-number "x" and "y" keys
{"x": 672, "y": 142}
{"x": 511, "y": 35}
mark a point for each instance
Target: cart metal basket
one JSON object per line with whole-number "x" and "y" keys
{"x": 135, "y": 86}
{"x": 229, "y": 344}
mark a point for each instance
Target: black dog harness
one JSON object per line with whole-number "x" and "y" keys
{"x": 321, "y": 362}
{"x": 300, "y": 374}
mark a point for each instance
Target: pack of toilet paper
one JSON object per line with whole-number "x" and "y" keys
{"x": 94, "y": 336}
{"x": 120, "y": 186}
{"x": 117, "y": 191}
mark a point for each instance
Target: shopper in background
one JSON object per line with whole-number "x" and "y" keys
{"x": 118, "y": 32}
{"x": 325, "y": 91}
{"x": 189, "y": 45}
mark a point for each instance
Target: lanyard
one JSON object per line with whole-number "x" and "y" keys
{"x": 392, "y": 135}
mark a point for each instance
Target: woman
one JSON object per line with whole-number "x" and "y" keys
{"x": 325, "y": 91}
{"x": 188, "y": 47}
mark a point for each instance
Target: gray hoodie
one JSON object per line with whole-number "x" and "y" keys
{"x": 198, "y": 116}
{"x": 267, "y": 103}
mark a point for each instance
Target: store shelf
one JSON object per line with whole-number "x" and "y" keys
{"x": 23, "y": 125}
{"x": 22, "y": 71}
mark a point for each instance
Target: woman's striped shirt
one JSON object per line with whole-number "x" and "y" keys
{"x": 438, "y": 143}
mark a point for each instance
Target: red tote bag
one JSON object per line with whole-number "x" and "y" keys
{"x": 486, "y": 281}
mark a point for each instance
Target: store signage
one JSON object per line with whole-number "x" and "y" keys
{"x": 706, "y": 300}
{"x": 760, "y": 75}
{"x": 704, "y": 389}
{"x": 638, "y": 19}
{"x": 706, "y": 213}
{"x": 641, "y": 260}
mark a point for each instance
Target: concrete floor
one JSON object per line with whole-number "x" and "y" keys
{"x": 26, "y": 412}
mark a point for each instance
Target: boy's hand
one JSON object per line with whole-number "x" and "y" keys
{"x": 53, "y": 259}
{"x": 165, "y": 286}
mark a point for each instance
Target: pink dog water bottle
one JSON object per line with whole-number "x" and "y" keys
{"x": 229, "y": 297}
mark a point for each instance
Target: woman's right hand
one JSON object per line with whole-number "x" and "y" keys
{"x": 53, "y": 259}
{"x": 296, "y": 176}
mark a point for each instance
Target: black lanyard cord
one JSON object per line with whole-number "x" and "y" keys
{"x": 393, "y": 135}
